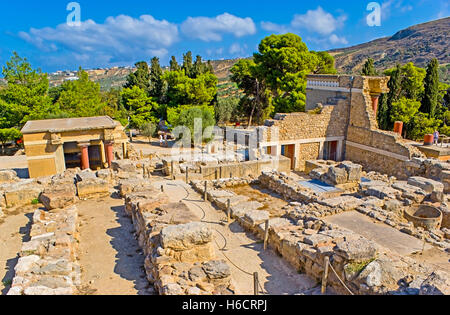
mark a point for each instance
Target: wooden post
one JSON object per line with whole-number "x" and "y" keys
{"x": 187, "y": 175}
{"x": 255, "y": 283}
{"x": 171, "y": 169}
{"x": 325, "y": 275}
{"x": 266, "y": 234}
{"x": 217, "y": 174}
{"x": 231, "y": 174}
{"x": 220, "y": 172}
{"x": 228, "y": 210}
{"x": 162, "y": 188}
{"x": 205, "y": 196}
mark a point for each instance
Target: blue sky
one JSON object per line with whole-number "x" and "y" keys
{"x": 123, "y": 32}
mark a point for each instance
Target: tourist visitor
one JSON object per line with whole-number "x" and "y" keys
{"x": 436, "y": 137}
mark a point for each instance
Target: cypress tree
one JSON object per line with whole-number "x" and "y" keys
{"x": 431, "y": 94}
{"x": 140, "y": 78}
{"x": 156, "y": 80}
{"x": 369, "y": 68}
{"x": 395, "y": 86}
{"x": 187, "y": 64}
{"x": 174, "y": 66}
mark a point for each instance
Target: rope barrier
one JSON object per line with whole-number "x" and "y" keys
{"x": 221, "y": 249}
{"x": 340, "y": 280}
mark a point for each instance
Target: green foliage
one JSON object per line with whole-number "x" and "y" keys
{"x": 35, "y": 201}
{"x": 404, "y": 110}
{"x": 431, "y": 84}
{"x": 80, "y": 98}
{"x": 369, "y": 68}
{"x": 174, "y": 66}
{"x": 421, "y": 124}
{"x": 156, "y": 80}
{"x": 9, "y": 134}
{"x": 226, "y": 109}
{"x": 140, "y": 78}
{"x": 148, "y": 130}
{"x": 406, "y": 81}
{"x": 324, "y": 64}
{"x": 181, "y": 89}
{"x": 140, "y": 107}
{"x": 186, "y": 115}
{"x": 26, "y": 95}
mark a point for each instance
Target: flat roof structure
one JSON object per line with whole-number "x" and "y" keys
{"x": 69, "y": 124}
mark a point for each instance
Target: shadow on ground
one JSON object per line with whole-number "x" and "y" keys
{"x": 129, "y": 257}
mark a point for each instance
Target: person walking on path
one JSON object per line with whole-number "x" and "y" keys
{"x": 436, "y": 137}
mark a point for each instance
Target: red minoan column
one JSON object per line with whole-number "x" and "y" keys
{"x": 398, "y": 127}
{"x": 109, "y": 152}
{"x": 375, "y": 99}
{"x": 84, "y": 156}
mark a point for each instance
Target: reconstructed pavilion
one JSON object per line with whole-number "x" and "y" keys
{"x": 54, "y": 145}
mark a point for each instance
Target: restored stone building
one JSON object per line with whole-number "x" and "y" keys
{"x": 54, "y": 145}
{"x": 340, "y": 123}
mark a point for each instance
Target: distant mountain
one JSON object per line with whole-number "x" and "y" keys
{"x": 418, "y": 44}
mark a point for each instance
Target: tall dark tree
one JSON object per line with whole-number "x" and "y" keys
{"x": 156, "y": 79}
{"x": 394, "y": 86}
{"x": 140, "y": 78}
{"x": 431, "y": 94}
{"x": 174, "y": 66}
{"x": 187, "y": 64}
{"x": 369, "y": 68}
{"x": 199, "y": 67}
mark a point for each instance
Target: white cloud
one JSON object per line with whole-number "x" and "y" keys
{"x": 238, "y": 50}
{"x": 318, "y": 21}
{"x": 120, "y": 38}
{"x": 212, "y": 29}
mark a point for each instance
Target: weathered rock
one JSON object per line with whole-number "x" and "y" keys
{"x": 335, "y": 176}
{"x": 438, "y": 283}
{"x": 428, "y": 185}
{"x": 8, "y": 176}
{"x": 353, "y": 170}
{"x": 185, "y": 236}
{"x": 217, "y": 269}
{"x": 123, "y": 166}
{"x": 255, "y": 217}
{"x": 92, "y": 187}
{"x": 382, "y": 192}
{"x": 356, "y": 250}
{"x": 84, "y": 175}
{"x": 57, "y": 200}
{"x": 241, "y": 209}
{"x": 22, "y": 194}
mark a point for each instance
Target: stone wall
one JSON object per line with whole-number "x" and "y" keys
{"x": 180, "y": 258}
{"x": 304, "y": 240}
{"x": 48, "y": 262}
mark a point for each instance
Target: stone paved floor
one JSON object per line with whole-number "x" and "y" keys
{"x": 276, "y": 276}
{"x": 380, "y": 233}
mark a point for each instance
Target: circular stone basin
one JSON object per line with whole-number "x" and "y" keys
{"x": 424, "y": 216}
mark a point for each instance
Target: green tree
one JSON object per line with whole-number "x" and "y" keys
{"x": 226, "y": 109}
{"x": 369, "y": 68}
{"x": 184, "y": 90}
{"x": 139, "y": 78}
{"x": 148, "y": 130}
{"x": 186, "y": 115}
{"x": 431, "y": 93}
{"x": 7, "y": 135}
{"x": 140, "y": 107}
{"x": 256, "y": 99}
{"x": 80, "y": 98}
{"x": 422, "y": 124}
{"x": 324, "y": 64}
{"x": 174, "y": 66}
{"x": 187, "y": 64}
{"x": 26, "y": 95}
{"x": 156, "y": 80}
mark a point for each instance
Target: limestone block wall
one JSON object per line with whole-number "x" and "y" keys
{"x": 48, "y": 262}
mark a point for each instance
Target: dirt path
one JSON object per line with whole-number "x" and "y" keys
{"x": 13, "y": 231}
{"x": 111, "y": 260}
{"x": 246, "y": 252}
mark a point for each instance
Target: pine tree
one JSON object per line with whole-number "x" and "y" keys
{"x": 368, "y": 68}
{"x": 394, "y": 85}
{"x": 431, "y": 83}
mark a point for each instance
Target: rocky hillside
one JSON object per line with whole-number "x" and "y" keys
{"x": 417, "y": 44}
